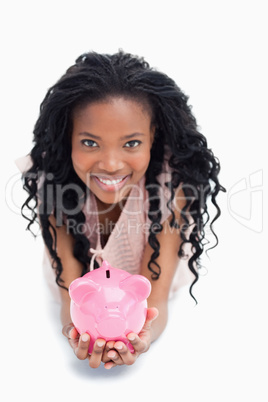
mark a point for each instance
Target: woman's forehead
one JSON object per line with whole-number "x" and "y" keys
{"x": 129, "y": 101}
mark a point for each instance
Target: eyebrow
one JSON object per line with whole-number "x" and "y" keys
{"x": 125, "y": 137}
{"x": 84, "y": 133}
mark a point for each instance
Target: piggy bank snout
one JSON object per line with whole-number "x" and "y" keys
{"x": 111, "y": 326}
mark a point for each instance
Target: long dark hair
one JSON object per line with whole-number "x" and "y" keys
{"x": 95, "y": 77}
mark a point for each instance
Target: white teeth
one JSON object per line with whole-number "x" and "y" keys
{"x": 109, "y": 182}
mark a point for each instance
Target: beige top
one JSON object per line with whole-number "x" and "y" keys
{"x": 129, "y": 235}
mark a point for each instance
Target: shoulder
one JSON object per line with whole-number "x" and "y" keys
{"x": 24, "y": 163}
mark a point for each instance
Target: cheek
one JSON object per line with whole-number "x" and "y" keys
{"x": 141, "y": 163}
{"x": 79, "y": 160}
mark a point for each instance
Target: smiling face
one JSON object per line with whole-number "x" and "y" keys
{"x": 111, "y": 142}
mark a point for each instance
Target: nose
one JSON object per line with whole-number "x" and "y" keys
{"x": 111, "y": 162}
{"x": 111, "y": 327}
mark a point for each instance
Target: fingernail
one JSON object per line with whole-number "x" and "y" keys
{"x": 131, "y": 338}
{"x": 85, "y": 337}
{"x": 100, "y": 344}
{"x": 70, "y": 333}
{"x": 119, "y": 347}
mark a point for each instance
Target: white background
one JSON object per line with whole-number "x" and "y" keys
{"x": 217, "y": 53}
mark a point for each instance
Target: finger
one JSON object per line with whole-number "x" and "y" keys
{"x": 109, "y": 365}
{"x": 152, "y": 314}
{"x": 97, "y": 352}
{"x": 69, "y": 331}
{"x": 126, "y": 357}
{"x": 74, "y": 343}
{"x": 82, "y": 349}
{"x": 114, "y": 356}
{"x": 138, "y": 344}
{"x": 109, "y": 346}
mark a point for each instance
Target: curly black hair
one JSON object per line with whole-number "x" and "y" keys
{"x": 95, "y": 77}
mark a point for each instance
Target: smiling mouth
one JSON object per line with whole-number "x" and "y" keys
{"x": 109, "y": 184}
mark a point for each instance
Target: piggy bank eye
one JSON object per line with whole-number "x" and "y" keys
{"x": 105, "y": 306}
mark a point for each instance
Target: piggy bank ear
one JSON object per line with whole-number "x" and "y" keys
{"x": 80, "y": 288}
{"x": 138, "y": 285}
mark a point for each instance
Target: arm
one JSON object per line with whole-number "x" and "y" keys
{"x": 72, "y": 269}
{"x": 169, "y": 240}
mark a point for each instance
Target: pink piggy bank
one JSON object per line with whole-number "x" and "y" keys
{"x": 109, "y": 303}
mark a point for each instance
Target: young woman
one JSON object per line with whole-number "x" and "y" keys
{"x": 119, "y": 171}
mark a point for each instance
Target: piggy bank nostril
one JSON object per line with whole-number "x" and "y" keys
{"x": 112, "y": 308}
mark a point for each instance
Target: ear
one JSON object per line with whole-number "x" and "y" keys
{"x": 80, "y": 288}
{"x": 137, "y": 284}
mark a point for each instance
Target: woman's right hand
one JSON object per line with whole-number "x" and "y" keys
{"x": 80, "y": 345}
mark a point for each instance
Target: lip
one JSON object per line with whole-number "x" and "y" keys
{"x": 109, "y": 186}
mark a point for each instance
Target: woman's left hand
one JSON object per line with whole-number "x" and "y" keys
{"x": 117, "y": 353}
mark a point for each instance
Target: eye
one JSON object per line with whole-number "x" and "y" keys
{"x": 132, "y": 144}
{"x": 89, "y": 143}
